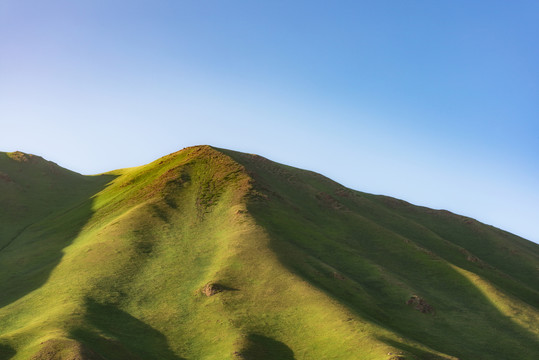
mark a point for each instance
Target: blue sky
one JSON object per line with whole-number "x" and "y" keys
{"x": 434, "y": 102}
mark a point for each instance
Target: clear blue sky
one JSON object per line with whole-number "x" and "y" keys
{"x": 434, "y": 102}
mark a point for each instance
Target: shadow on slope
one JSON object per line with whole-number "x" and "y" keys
{"x": 32, "y": 188}
{"x": 6, "y": 352}
{"x": 374, "y": 270}
{"x": 29, "y": 258}
{"x": 507, "y": 261}
{"x": 259, "y": 347}
{"x": 376, "y": 285}
{"x": 115, "y": 334}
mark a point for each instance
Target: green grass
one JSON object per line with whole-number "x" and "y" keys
{"x": 113, "y": 266}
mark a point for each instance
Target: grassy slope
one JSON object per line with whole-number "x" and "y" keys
{"x": 32, "y": 188}
{"x": 312, "y": 271}
{"x": 373, "y": 253}
{"x": 34, "y": 192}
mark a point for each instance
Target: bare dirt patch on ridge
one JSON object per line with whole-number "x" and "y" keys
{"x": 5, "y": 177}
{"x": 421, "y": 305}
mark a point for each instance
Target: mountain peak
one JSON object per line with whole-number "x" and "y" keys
{"x": 211, "y": 253}
{"x": 24, "y": 157}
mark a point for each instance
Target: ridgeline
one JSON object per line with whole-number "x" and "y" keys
{"x": 214, "y": 254}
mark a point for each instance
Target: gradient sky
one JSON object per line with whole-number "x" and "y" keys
{"x": 433, "y": 102}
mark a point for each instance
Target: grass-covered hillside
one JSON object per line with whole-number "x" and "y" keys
{"x": 213, "y": 254}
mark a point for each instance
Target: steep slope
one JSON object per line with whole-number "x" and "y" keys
{"x": 376, "y": 254}
{"x": 213, "y": 254}
{"x": 32, "y": 188}
{"x": 34, "y": 192}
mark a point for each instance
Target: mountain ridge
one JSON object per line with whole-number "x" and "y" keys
{"x": 281, "y": 252}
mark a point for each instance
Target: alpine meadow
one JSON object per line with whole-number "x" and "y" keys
{"x": 213, "y": 254}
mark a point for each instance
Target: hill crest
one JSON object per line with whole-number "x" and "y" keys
{"x": 208, "y": 253}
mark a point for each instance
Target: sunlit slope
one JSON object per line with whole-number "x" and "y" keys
{"x": 213, "y": 254}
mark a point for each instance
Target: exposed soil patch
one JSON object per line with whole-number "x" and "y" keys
{"x": 420, "y": 305}
{"x": 21, "y": 157}
{"x": 474, "y": 259}
{"x": 5, "y": 177}
{"x": 346, "y": 193}
{"x": 256, "y": 195}
{"x": 394, "y": 203}
{"x": 426, "y": 251}
{"x": 330, "y": 201}
{"x": 267, "y": 165}
{"x": 336, "y": 275}
{"x": 508, "y": 250}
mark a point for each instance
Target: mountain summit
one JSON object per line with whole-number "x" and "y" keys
{"x": 208, "y": 253}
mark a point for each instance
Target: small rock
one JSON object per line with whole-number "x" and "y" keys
{"x": 211, "y": 289}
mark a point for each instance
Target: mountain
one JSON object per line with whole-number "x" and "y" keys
{"x": 214, "y": 254}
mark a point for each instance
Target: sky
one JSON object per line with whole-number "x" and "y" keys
{"x": 433, "y": 102}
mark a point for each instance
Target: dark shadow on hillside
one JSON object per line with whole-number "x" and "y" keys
{"x": 502, "y": 338}
{"x": 115, "y": 334}
{"x": 261, "y": 347}
{"x": 28, "y": 260}
{"x": 301, "y": 229}
{"x": 6, "y": 352}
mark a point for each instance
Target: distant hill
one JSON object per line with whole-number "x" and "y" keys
{"x": 214, "y": 254}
